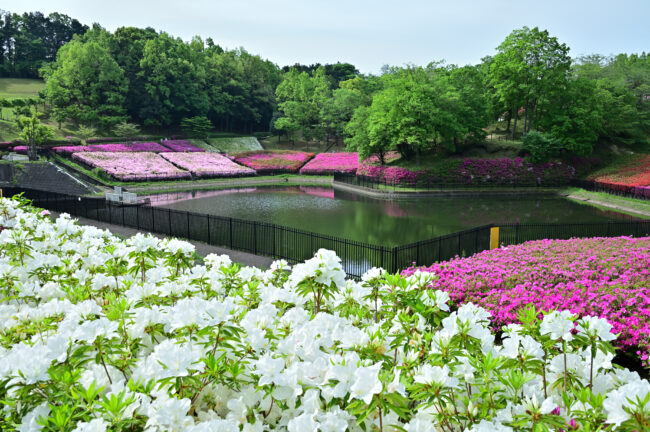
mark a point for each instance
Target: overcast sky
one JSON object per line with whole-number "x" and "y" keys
{"x": 371, "y": 33}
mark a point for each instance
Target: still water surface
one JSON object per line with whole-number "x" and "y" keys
{"x": 378, "y": 221}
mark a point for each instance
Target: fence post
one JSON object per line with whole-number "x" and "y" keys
{"x": 169, "y": 218}
{"x": 517, "y": 233}
{"x": 230, "y": 219}
{"x": 188, "y": 225}
{"x": 494, "y": 237}
{"x": 209, "y": 238}
{"x": 255, "y": 238}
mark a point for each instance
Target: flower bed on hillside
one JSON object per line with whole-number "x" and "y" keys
{"x": 274, "y": 161}
{"x": 330, "y": 163}
{"x": 605, "y": 277}
{"x": 472, "y": 172}
{"x": 634, "y": 170}
{"x": 208, "y": 164}
{"x": 140, "y": 166}
{"x": 137, "y": 146}
{"x": 104, "y": 334}
{"x": 182, "y": 146}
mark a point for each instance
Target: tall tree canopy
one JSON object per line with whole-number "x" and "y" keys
{"x": 30, "y": 40}
{"x": 86, "y": 85}
{"x": 529, "y": 68}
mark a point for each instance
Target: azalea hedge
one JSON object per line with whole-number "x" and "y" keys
{"x": 104, "y": 334}
{"x": 137, "y": 146}
{"x": 604, "y": 277}
{"x": 503, "y": 171}
{"x": 132, "y": 166}
{"x": 330, "y": 163}
{"x": 208, "y": 164}
{"x": 274, "y": 161}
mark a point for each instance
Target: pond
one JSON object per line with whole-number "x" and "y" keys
{"x": 379, "y": 221}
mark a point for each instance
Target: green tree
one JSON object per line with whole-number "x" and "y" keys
{"x": 529, "y": 68}
{"x": 86, "y": 133}
{"x": 197, "y": 126}
{"x": 33, "y": 133}
{"x": 126, "y": 130}
{"x": 541, "y": 147}
{"x": 174, "y": 80}
{"x": 301, "y": 98}
{"x": 86, "y": 85}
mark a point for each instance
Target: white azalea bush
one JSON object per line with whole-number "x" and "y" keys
{"x": 103, "y": 334}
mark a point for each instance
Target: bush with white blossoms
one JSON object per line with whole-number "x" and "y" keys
{"x": 102, "y": 334}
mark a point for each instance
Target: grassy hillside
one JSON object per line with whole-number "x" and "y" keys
{"x": 15, "y": 88}
{"x": 235, "y": 144}
{"x": 11, "y": 88}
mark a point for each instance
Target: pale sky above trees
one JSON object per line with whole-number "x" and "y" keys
{"x": 371, "y": 33}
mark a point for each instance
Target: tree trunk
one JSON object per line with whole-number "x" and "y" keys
{"x": 514, "y": 127}
{"x": 525, "y": 118}
{"x": 509, "y": 120}
{"x": 31, "y": 150}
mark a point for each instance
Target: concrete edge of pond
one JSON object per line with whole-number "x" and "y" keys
{"x": 234, "y": 183}
{"x": 392, "y": 194}
{"x": 601, "y": 203}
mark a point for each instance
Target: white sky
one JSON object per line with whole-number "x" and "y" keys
{"x": 370, "y": 33}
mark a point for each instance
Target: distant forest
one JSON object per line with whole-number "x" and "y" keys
{"x": 531, "y": 87}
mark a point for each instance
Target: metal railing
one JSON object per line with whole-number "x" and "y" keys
{"x": 425, "y": 184}
{"x": 295, "y": 245}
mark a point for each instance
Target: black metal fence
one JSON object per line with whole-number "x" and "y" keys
{"x": 638, "y": 192}
{"x": 428, "y": 184}
{"x": 296, "y": 245}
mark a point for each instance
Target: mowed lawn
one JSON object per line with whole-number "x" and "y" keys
{"x": 11, "y": 88}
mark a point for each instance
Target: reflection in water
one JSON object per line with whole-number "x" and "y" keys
{"x": 378, "y": 221}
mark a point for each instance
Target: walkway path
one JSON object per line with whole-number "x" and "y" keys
{"x": 202, "y": 249}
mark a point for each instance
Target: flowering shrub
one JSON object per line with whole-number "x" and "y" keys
{"x": 182, "y": 146}
{"x": 475, "y": 172}
{"x": 137, "y": 146}
{"x": 605, "y": 277}
{"x": 21, "y": 149}
{"x": 208, "y": 164}
{"x": 104, "y": 334}
{"x": 274, "y": 161}
{"x": 632, "y": 171}
{"x": 132, "y": 166}
{"x": 330, "y": 163}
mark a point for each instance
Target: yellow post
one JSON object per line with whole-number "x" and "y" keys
{"x": 494, "y": 237}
